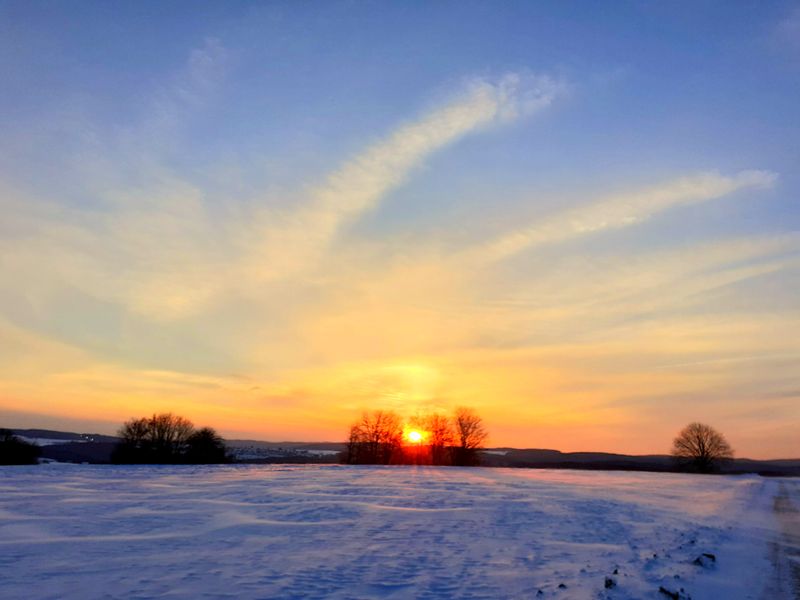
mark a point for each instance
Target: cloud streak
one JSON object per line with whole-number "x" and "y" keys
{"x": 625, "y": 210}
{"x": 180, "y": 258}
{"x": 362, "y": 182}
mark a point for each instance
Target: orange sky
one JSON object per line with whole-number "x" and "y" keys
{"x": 272, "y": 253}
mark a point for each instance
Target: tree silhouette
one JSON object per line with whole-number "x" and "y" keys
{"x": 470, "y": 436}
{"x": 166, "y": 439}
{"x": 701, "y": 447}
{"x": 205, "y": 447}
{"x": 169, "y": 434}
{"x": 440, "y": 438}
{"x": 14, "y": 451}
{"x": 375, "y": 439}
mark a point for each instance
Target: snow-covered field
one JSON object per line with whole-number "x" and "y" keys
{"x": 371, "y": 532}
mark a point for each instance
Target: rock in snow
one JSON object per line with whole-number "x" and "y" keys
{"x": 669, "y": 593}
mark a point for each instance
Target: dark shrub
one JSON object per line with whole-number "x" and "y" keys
{"x": 14, "y": 451}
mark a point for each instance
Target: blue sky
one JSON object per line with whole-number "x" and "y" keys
{"x": 573, "y": 216}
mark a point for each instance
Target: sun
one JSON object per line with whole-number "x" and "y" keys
{"x": 414, "y": 436}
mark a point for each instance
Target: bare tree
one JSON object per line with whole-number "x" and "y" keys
{"x": 375, "y": 439}
{"x": 440, "y": 438}
{"x": 162, "y": 438}
{"x": 135, "y": 432}
{"x": 352, "y": 453}
{"x": 701, "y": 446}
{"x": 470, "y": 436}
{"x": 168, "y": 434}
{"x": 134, "y": 445}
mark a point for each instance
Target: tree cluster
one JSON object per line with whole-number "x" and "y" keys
{"x": 378, "y": 438}
{"x": 14, "y": 451}
{"x": 168, "y": 439}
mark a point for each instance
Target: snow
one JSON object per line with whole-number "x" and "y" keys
{"x": 314, "y": 531}
{"x": 50, "y": 441}
{"x": 318, "y": 452}
{"x": 250, "y": 452}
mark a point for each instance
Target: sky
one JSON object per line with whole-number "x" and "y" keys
{"x": 580, "y": 219}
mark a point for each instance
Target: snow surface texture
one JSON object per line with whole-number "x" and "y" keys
{"x": 313, "y": 531}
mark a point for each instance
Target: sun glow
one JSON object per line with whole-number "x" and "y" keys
{"x": 414, "y": 436}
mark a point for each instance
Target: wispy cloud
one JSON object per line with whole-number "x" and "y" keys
{"x": 191, "y": 88}
{"x": 361, "y": 183}
{"x": 180, "y": 255}
{"x": 624, "y": 210}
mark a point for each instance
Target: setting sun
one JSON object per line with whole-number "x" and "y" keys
{"x": 414, "y": 436}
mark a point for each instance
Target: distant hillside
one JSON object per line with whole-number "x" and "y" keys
{"x": 338, "y": 446}
{"x": 66, "y": 446}
{"x": 255, "y": 451}
{"x": 62, "y": 436}
{"x": 554, "y": 459}
{"x": 76, "y": 452}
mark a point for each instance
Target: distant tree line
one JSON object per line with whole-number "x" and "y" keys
{"x": 380, "y": 437}
{"x": 14, "y": 451}
{"x": 168, "y": 439}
